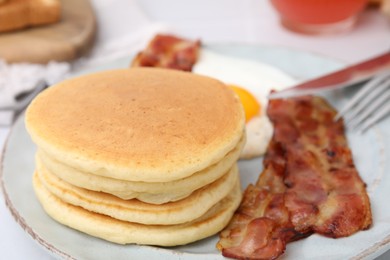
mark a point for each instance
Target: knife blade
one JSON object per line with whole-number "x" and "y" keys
{"x": 342, "y": 78}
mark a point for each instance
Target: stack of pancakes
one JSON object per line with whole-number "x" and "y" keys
{"x": 141, "y": 155}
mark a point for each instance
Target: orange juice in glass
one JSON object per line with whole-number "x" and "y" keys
{"x": 319, "y": 16}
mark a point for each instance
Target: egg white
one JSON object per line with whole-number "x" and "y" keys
{"x": 256, "y": 77}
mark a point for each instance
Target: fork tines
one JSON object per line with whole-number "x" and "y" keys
{"x": 369, "y": 105}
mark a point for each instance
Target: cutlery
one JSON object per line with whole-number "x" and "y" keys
{"x": 343, "y": 78}
{"x": 24, "y": 98}
{"x": 369, "y": 105}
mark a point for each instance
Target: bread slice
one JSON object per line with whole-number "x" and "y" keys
{"x": 19, "y": 14}
{"x": 384, "y": 5}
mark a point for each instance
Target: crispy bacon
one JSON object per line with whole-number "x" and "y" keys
{"x": 261, "y": 227}
{"x": 167, "y": 51}
{"x": 324, "y": 192}
{"x": 309, "y": 184}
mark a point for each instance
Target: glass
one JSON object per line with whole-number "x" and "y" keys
{"x": 319, "y": 16}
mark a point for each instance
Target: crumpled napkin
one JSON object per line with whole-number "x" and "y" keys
{"x": 123, "y": 29}
{"x": 23, "y": 77}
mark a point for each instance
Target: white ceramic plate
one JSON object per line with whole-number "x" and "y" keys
{"x": 371, "y": 152}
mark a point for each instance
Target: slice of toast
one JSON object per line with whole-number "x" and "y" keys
{"x": 384, "y": 5}
{"x": 20, "y": 14}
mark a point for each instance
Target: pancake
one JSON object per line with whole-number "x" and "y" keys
{"x": 185, "y": 210}
{"x": 140, "y": 124}
{"x": 151, "y": 192}
{"x": 123, "y": 232}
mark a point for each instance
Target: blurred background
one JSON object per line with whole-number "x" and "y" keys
{"x": 257, "y": 22}
{"x": 93, "y": 33}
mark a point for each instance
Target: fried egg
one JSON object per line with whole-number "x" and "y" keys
{"x": 251, "y": 81}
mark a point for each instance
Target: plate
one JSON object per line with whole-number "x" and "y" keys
{"x": 371, "y": 154}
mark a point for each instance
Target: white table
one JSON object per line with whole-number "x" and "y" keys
{"x": 246, "y": 21}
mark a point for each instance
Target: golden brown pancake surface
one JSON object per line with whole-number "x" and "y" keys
{"x": 138, "y": 124}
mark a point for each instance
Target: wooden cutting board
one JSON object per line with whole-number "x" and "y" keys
{"x": 64, "y": 41}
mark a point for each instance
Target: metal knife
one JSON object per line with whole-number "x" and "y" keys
{"x": 343, "y": 78}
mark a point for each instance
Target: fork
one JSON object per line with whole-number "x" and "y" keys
{"x": 369, "y": 105}
{"x": 24, "y": 98}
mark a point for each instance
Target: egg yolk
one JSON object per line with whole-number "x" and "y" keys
{"x": 249, "y": 102}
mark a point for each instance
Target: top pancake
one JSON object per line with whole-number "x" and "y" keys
{"x": 140, "y": 124}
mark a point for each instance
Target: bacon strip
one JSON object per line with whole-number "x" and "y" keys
{"x": 309, "y": 184}
{"x": 167, "y": 51}
{"x": 261, "y": 226}
{"x": 324, "y": 192}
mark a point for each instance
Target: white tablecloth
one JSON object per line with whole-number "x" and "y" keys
{"x": 245, "y": 21}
